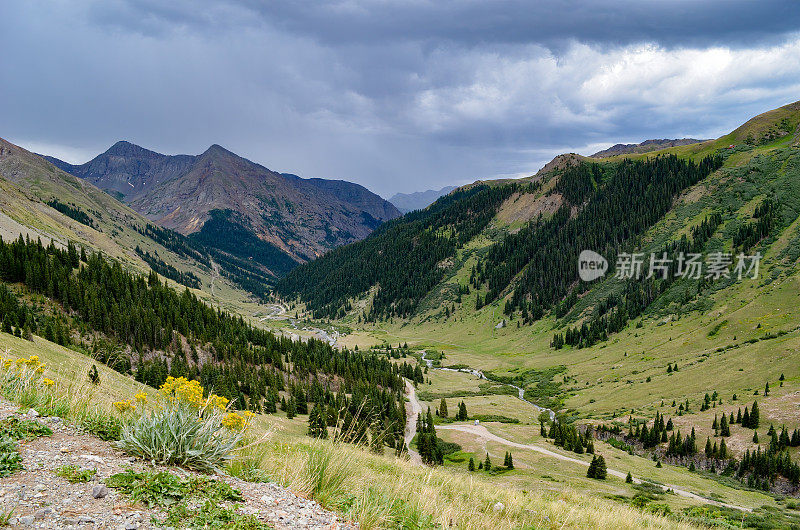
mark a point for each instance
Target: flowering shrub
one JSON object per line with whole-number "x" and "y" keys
{"x": 22, "y": 375}
{"x": 184, "y": 426}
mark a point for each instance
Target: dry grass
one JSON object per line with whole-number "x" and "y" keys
{"x": 381, "y": 492}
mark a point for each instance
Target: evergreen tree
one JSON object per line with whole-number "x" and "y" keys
{"x": 724, "y": 428}
{"x": 487, "y": 464}
{"x": 443, "y": 408}
{"x": 317, "y": 422}
{"x": 471, "y": 465}
{"x": 754, "y": 416}
{"x": 94, "y": 375}
{"x": 462, "y": 412}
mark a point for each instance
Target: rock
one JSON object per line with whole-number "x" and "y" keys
{"x": 99, "y": 491}
{"x": 64, "y": 449}
{"x": 499, "y": 507}
{"x": 93, "y": 458}
{"x": 131, "y": 525}
{"x": 33, "y": 413}
{"x": 85, "y": 519}
{"x": 26, "y": 520}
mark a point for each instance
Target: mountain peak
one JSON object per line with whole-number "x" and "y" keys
{"x": 128, "y": 149}
{"x": 217, "y": 150}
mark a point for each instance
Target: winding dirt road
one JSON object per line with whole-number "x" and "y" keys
{"x": 414, "y": 409}
{"x": 483, "y": 433}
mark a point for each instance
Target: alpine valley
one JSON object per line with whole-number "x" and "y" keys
{"x": 386, "y": 364}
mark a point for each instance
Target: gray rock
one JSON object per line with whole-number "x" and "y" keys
{"x": 33, "y": 413}
{"x": 131, "y": 526}
{"x": 99, "y": 491}
{"x": 499, "y": 507}
{"x": 26, "y": 520}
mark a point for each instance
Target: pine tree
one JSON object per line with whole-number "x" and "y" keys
{"x": 754, "y": 416}
{"x": 443, "y": 408}
{"x": 601, "y": 471}
{"x": 462, "y": 412}
{"x": 755, "y": 437}
{"x": 471, "y": 465}
{"x": 94, "y": 375}
{"x": 724, "y": 428}
{"x": 487, "y": 464}
{"x": 629, "y": 478}
{"x": 317, "y": 422}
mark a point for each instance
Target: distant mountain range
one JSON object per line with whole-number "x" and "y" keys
{"x": 644, "y": 147}
{"x": 407, "y": 202}
{"x": 228, "y": 202}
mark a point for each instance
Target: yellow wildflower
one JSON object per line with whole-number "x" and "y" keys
{"x": 218, "y": 401}
{"x": 182, "y": 389}
{"x": 40, "y": 369}
{"x": 7, "y": 363}
{"x": 233, "y": 421}
{"x": 48, "y": 382}
{"x": 124, "y": 406}
{"x": 141, "y": 397}
{"x": 33, "y": 360}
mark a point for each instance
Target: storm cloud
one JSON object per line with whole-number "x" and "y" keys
{"x": 398, "y": 96}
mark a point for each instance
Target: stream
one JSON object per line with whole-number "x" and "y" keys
{"x": 480, "y": 375}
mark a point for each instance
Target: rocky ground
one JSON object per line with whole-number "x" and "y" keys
{"x": 38, "y": 498}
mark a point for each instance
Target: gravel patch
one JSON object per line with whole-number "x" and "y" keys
{"x": 38, "y": 498}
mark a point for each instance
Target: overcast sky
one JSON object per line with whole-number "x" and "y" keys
{"x": 397, "y": 96}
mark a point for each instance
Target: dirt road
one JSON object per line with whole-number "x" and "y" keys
{"x": 481, "y": 432}
{"x": 413, "y": 410}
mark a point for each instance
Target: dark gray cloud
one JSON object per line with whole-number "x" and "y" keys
{"x": 398, "y": 96}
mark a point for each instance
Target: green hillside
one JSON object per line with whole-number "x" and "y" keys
{"x": 509, "y": 301}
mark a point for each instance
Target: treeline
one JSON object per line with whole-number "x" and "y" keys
{"x": 72, "y": 211}
{"x": 189, "y": 279}
{"x": 613, "y": 314}
{"x": 403, "y": 257}
{"x": 629, "y": 200}
{"x": 176, "y": 334}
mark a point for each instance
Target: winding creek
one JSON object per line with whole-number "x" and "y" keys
{"x": 480, "y": 375}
